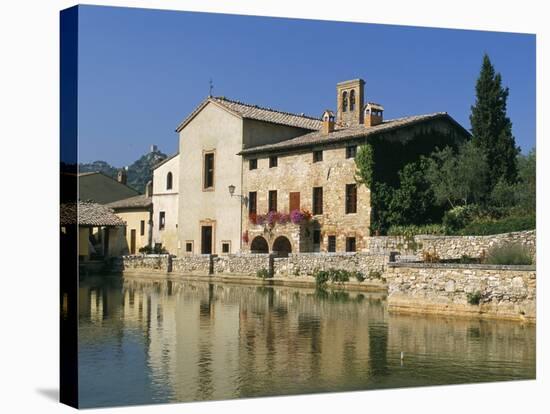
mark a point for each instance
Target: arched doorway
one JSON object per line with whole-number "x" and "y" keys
{"x": 282, "y": 246}
{"x": 259, "y": 245}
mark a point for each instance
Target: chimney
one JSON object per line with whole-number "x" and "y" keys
{"x": 373, "y": 114}
{"x": 122, "y": 176}
{"x": 149, "y": 189}
{"x": 328, "y": 122}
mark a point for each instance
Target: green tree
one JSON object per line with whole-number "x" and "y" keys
{"x": 527, "y": 191}
{"x": 458, "y": 179}
{"x": 413, "y": 201}
{"x": 491, "y": 128}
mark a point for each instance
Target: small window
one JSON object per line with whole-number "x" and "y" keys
{"x": 317, "y": 156}
{"x": 272, "y": 200}
{"x": 162, "y": 220}
{"x": 252, "y": 202}
{"x": 169, "y": 181}
{"x": 331, "y": 243}
{"x": 352, "y": 100}
{"x": 350, "y": 244}
{"x": 189, "y": 247}
{"x": 273, "y": 161}
{"x": 351, "y": 151}
{"x": 316, "y": 236}
{"x": 226, "y": 247}
{"x": 351, "y": 198}
{"x": 317, "y": 200}
{"x": 208, "y": 170}
{"x": 142, "y": 228}
{"x": 253, "y": 164}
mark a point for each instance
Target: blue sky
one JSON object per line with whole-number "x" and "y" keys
{"x": 142, "y": 71}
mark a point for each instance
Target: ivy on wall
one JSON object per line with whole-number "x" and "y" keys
{"x": 391, "y": 166}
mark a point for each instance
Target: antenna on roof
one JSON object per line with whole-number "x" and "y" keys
{"x": 211, "y": 86}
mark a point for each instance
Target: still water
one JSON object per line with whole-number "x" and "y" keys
{"x": 149, "y": 341}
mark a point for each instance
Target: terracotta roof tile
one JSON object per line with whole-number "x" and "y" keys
{"x": 139, "y": 201}
{"x": 258, "y": 113}
{"x": 344, "y": 134}
{"x": 89, "y": 214}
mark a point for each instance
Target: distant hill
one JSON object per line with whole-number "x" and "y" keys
{"x": 139, "y": 172}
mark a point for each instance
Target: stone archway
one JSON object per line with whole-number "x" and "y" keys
{"x": 282, "y": 246}
{"x": 259, "y": 245}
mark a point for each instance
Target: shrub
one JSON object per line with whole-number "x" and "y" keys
{"x": 321, "y": 277}
{"x": 430, "y": 257}
{"x": 375, "y": 274}
{"x": 509, "y": 254}
{"x": 339, "y": 276}
{"x": 413, "y": 230}
{"x": 459, "y": 216}
{"x": 263, "y": 274}
{"x": 474, "y": 298}
{"x": 359, "y": 276}
{"x": 482, "y": 227}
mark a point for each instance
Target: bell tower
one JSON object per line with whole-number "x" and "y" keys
{"x": 350, "y": 96}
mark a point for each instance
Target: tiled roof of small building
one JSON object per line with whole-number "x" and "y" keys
{"x": 140, "y": 201}
{"x": 347, "y": 133}
{"x": 89, "y": 214}
{"x": 258, "y": 113}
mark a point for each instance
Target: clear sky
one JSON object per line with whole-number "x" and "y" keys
{"x": 142, "y": 71}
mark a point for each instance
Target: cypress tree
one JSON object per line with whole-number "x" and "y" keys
{"x": 491, "y": 128}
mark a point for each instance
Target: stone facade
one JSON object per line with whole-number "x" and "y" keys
{"x": 507, "y": 292}
{"x": 451, "y": 247}
{"x": 196, "y": 264}
{"x": 298, "y": 173}
{"x": 141, "y": 263}
{"x": 247, "y": 264}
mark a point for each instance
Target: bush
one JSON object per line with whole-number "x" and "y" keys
{"x": 359, "y": 276}
{"x": 459, "y": 217}
{"x": 413, "y": 230}
{"x": 321, "y": 277}
{"x": 509, "y": 254}
{"x": 375, "y": 274}
{"x": 474, "y": 298}
{"x": 263, "y": 274}
{"x": 430, "y": 257}
{"x": 504, "y": 225}
{"x": 158, "y": 249}
{"x": 339, "y": 276}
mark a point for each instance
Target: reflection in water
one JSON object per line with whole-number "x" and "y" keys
{"x": 144, "y": 341}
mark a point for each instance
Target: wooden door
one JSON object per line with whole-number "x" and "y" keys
{"x": 133, "y": 241}
{"x": 206, "y": 239}
{"x": 294, "y": 201}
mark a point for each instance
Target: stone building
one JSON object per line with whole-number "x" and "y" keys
{"x": 165, "y": 203}
{"x": 315, "y": 175}
{"x": 210, "y": 138}
{"x": 237, "y": 162}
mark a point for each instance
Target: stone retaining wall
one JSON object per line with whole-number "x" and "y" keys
{"x": 246, "y": 264}
{"x": 157, "y": 263}
{"x": 450, "y": 247}
{"x": 305, "y": 264}
{"x": 507, "y": 292}
{"x": 200, "y": 263}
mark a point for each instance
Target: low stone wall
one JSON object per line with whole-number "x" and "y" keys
{"x": 195, "y": 264}
{"x": 507, "y": 292}
{"x": 156, "y": 263}
{"x": 450, "y": 247}
{"x": 305, "y": 264}
{"x": 246, "y": 264}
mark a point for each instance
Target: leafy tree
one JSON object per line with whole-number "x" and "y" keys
{"x": 527, "y": 191}
{"x": 491, "y": 128}
{"x": 413, "y": 201}
{"x": 458, "y": 179}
